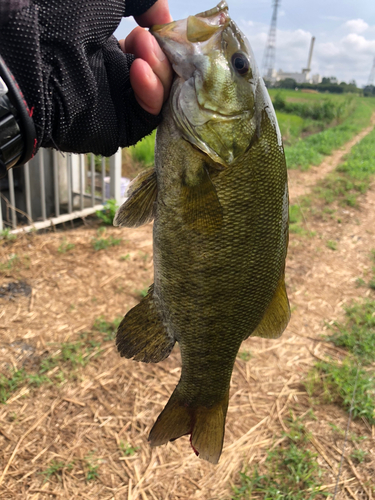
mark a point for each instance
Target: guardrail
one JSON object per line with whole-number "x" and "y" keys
{"x": 54, "y": 188}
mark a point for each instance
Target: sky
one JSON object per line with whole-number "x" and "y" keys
{"x": 344, "y": 31}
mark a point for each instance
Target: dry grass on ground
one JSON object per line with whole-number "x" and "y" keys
{"x": 85, "y": 434}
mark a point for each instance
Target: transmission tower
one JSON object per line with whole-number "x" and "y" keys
{"x": 270, "y": 52}
{"x": 371, "y": 78}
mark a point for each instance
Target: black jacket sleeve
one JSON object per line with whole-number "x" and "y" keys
{"x": 72, "y": 72}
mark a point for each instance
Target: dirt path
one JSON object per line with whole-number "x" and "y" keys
{"x": 110, "y": 401}
{"x": 300, "y": 183}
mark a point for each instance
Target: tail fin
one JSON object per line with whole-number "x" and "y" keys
{"x": 206, "y": 426}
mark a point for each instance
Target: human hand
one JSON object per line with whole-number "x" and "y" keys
{"x": 81, "y": 96}
{"x": 151, "y": 73}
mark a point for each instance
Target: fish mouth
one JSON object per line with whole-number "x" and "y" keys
{"x": 194, "y": 29}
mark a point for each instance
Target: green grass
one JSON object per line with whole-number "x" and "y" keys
{"x": 7, "y": 236}
{"x": 353, "y": 177}
{"x": 18, "y": 378}
{"x": 358, "y": 455}
{"x": 312, "y": 149}
{"x": 102, "y": 243}
{"x": 108, "y": 213}
{"x": 108, "y": 328}
{"x": 56, "y": 468}
{"x": 335, "y": 383}
{"x": 331, "y": 244}
{"x": 127, "y": 450}
{"x": 91, "y": 465}
{"x": 65, "y": 247}
{"x": 143, "y": 151}
{"x": 297, "y": 217}
{"x": 324, "y": 109}
{"x": 293, "y": 127}
{"x": 292, "y": 472}
{"x": 142, "y": 293}
{"x": 357, "y": 334}
{"x": 12, "y": 261}
{"x": 68, "y": 357}
{"x": 245, "y": 355}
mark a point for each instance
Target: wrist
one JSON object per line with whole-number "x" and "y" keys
{"x": 17, "y": 130}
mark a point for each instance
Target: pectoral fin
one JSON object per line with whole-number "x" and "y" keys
{"x": 277, "y": 315}
{"x": 139, "y": 208}
{"x": 202, "y": 211}
{"x": 142, "y": 335}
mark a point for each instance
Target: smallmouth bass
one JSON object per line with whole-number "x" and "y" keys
{"x": 219, "y": 199}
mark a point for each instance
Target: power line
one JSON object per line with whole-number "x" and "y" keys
{"x": 269, "y": 57}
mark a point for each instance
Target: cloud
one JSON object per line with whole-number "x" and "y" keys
{"x": 358, "y": 44}
{"x": 356, "y": 25}
{"x": 347, "y": 57}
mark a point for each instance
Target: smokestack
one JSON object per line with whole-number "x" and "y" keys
{"x": 310, "y": 54}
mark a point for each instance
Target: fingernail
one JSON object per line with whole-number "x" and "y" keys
{"x": 157, "y": 50}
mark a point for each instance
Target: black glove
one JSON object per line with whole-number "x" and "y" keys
{"x": 73, "y": 74}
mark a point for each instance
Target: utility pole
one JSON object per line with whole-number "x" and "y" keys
{"x": 269, "y": 57}
{"x": 371, "y": 78}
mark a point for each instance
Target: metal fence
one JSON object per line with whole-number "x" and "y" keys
{"x": 54, "y": 188}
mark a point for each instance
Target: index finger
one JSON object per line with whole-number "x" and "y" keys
{"x": 157, "y": 14}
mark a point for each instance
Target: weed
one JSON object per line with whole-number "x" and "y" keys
{"x": 332, "y": 245}
{"x": 106, "y": 327}
{"x": 335, "y": 383}
{"x": 353, "y": 177}
{"x": 245, "y": 355}
{"x": 358, "y": 455}
{"x": 92, "y": 467}
{"x": 325, "y": 109}
{"x": 103, "y": 243}
{"x": 125, "y": 257}
{"x": 292, "y": 472}
{"x": 297, "y": 220}
{"x": 128, "y": 450}
{"x": 65, "y": 246}
{"x": 142, "y": 293}
{"x": 12, "y": 261}
{"x": 311, "y": 150}
{"x": 143, "y": 151}
{"x": 69, "y": 356}
{"x": 357, "y": 335}
{"x": 9, "y": 385}
{"x": 37, "y": 379}
{"x": 360, "y": 282}
{"x": 56, "y": 468}
{"x": 7, "y": 236}
{"x": 107, "y": 214}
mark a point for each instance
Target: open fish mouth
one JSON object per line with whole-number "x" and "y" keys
{"x": 194, "y": 29}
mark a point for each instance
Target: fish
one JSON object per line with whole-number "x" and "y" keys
{"x": 218, "y": 196}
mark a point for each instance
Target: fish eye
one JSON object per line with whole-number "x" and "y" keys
{"x": 240, "y": 63}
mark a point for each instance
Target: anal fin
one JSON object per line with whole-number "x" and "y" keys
{"x": 277, "y": 315}
{"x": 141, "y": 335}
{"x": 139, "y": 208}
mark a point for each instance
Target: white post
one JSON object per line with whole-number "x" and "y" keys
{"x": 115, "y": 163}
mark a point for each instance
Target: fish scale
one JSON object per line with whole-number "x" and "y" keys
{"x": 219, "y": 199}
